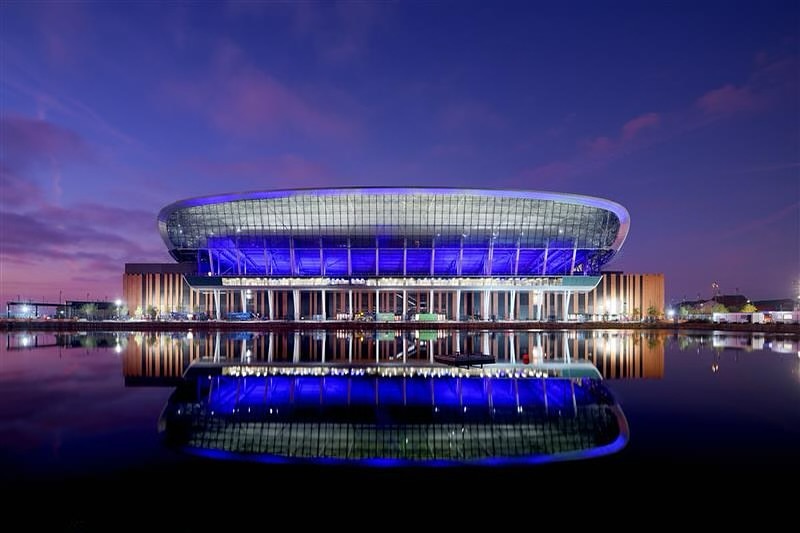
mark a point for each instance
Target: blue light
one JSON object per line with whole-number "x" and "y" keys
{"x": 386, "y": 411}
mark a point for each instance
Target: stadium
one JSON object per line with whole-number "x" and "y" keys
{"x": 390, "y": 254}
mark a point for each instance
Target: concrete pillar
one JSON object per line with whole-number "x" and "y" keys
{"x": 217, "y": 311}
{"x": 270, "y": 346}
{"x": 350, "y": 310}
{"x": 296, "y": 302}
{"x": 485, "y": 305}
{"x": 271, "y": 302}
{"x": 324, "y": 310}
{"x": 458, "y": 305}
{"x": 512, "y": 295}
{"x": 405, "y": 303}
{"x": 565, "y": 312}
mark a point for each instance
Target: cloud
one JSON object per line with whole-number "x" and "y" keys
{"x": 16, "y": 191}
{"x": 635, "y": 126}
{"x": 62, "y": 27}
{"x": 31, "y": 146}
{"x": 728, "y": 100}
{"x": 46, "y": 247}
{"x": 592, "y": 152}
{"x": 66, "y": 234}
{"x": 276, "y": 169}
{"x": 770, "y": 83}
{"x": 550, "y": 174}
{"x": 27, "y": 140}
{"x": 70, "y": 108}
{"x": 238, "y": 98}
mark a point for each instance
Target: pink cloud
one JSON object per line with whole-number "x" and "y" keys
{"x": 47, "y": 246}
{"x": 609, "y": 147}
{"x": 601, "y": 146}
{"x": 31, "y": 146}
{"x": 71, "y": 108}
{"x": 16, "y": 190}
{"x": 553, "y": 172}
{"x": 62, "y": 26}
{"x": 635, "y": 126}
{"x": 728, "y": 100}
{"x": 26, "y": 140}
{"x": 239, "y": 99}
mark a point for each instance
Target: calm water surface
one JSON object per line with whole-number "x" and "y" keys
{"x": 97, "y": 411}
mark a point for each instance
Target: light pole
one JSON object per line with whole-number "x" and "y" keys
{"x": 118, "y": 304}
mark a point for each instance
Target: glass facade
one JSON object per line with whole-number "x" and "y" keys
{"x": 395, "y": 232}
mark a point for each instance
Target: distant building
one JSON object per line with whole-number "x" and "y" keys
{"x": 783, "y": 304}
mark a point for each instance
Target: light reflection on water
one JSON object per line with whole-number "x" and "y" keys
{"x": 750, "y": 368}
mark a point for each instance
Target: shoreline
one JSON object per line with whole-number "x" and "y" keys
{"x": 113, "y": 325}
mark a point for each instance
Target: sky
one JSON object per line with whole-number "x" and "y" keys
{"x": 686, "y": 113}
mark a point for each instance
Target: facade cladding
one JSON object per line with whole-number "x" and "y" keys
{"x": 379, "y": 232}
{"x": 337, "y": 252}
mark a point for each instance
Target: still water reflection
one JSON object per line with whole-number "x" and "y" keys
{"x": 366, "y": 397}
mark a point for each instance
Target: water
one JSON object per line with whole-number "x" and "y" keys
{"x": 86, "y": 416}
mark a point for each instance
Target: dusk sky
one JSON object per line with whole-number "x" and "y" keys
{"x": 686, "y": 113}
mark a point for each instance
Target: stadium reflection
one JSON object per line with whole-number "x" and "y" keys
{"x": 407, "y": 415}
{"x": 379, "y": 397}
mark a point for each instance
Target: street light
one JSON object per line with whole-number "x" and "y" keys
{"x": 118, "y": 304}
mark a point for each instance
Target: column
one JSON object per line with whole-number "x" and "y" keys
{"x": 405, "y": 304}
{"x": 565, "y": 313}
{"x": 324, "y": 311}
{"x": 216, "y": 305}
{"x": 296, "y": 302}
{"x": 512, "y": 295}
{"x": 350, "y": 311}
{"x": 270, "y": 301}
{"x": 485, "y": 305}
{"x": 458, "y": 305}
{"x": 270, "y": 346}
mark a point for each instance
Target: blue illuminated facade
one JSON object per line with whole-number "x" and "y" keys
{"x": 374, "y": 232}
{"x": 389, "y": 254}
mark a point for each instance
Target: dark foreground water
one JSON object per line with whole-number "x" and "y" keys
{"x": 102, "y": 424}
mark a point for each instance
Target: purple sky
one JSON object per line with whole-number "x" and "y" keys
{"x": 686, "y": 113}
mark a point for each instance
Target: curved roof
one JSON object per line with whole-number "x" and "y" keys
{"x": 396, "y": 217}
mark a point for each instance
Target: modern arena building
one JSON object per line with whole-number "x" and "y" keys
{"x": 393, "y": 254}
